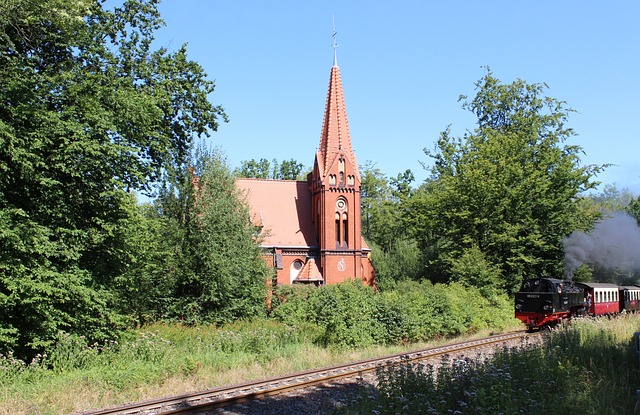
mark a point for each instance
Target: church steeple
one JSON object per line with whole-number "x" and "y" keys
{"x": 335, "y": 139}
{"x": 335, "y": 195}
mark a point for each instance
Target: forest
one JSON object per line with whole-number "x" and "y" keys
{"x": 91, "y": 115}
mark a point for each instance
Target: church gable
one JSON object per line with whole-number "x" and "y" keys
{"x": 341, "y": 172}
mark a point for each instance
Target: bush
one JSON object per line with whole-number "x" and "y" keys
{"x": 346, "y": 315}
{"x": 352, "y": 315}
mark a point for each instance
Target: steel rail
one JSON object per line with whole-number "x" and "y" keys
{"x": 227, "y": 395}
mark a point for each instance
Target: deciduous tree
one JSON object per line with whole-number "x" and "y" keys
{"x": 263, "y": 169}
{"x": 88, "y": 112}
{"x": 222, "y": 276}
{"x": 508, "y": 190}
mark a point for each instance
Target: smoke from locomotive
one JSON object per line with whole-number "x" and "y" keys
{"x": 614, "y": 243}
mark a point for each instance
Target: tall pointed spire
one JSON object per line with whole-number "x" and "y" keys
{"x": 335, "y": 138}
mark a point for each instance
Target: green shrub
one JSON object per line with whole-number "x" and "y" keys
{"x": 346, "y": 315}
{"x": 351, "y": 314}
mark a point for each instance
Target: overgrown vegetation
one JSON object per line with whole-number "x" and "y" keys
{"x": 352, "y": 315}
{"x": 589, "y": 367}
{"x": 162, "y": 359}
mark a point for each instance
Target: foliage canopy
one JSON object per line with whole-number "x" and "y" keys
{"x": 88, "y": 112}
{"x": 508, "y": 190}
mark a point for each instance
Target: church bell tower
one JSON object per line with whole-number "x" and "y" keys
{"x": 335, "y": 192}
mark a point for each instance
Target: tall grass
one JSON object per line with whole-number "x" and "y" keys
{"x": 308, "y": 328}
{"x": 163, "y": 360}
{"x": 160, "y": 360}
{"x": 589, "y": 367}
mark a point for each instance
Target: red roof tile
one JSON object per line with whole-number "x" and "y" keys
{"x": 283, "y": 208}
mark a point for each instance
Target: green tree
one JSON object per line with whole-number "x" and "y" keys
{"x": 375, "y": 196}
{"x": 263, "y": 169}
{"x": 257, "y": 169}
{"x": 634, "y": 209}
{"x": 221, "y": 276}
{"x": 384, "y": 205}
{"x": 510, "y": 188}
{"x": 88, "y": 112}
{"x": 610, "y": 199}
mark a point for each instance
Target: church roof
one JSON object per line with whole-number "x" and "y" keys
{"x": 335, "y": 135}
{"x": 283, "y": 209}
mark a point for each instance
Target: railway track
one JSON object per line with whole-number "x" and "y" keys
{"x": 224, "y": 396}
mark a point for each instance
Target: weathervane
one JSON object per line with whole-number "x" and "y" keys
{"x": 335, "y": 44}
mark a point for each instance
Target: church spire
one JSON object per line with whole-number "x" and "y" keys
{"x": 335, "y": 138}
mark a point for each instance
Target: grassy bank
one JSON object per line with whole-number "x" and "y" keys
{"x": 164, "y": 360}
{"x": 589, "y": 367}
{"x": 308, "y": 328}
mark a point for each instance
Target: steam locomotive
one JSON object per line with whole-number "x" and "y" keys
{"x": 546, "y": 302}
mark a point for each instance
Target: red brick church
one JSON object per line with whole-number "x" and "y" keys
{"x": 311, "y": 229}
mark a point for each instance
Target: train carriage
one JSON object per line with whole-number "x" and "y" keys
{"x": 630, "y": 297}
{"x": 602, "y": 298}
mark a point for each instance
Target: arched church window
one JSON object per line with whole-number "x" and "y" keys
{"x": 341, "y": 165}
{"x": 345, "y": 230}
{"x": 337, "y": 230}
{"x": 351, "y": 180}
{"x": 341, "y": 177}
{"x": 332, "y": 179}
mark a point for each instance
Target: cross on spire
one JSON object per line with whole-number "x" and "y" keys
{"x": 335, "y": 43}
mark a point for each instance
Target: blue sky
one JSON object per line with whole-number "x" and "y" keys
{"x": 403, "y": 65}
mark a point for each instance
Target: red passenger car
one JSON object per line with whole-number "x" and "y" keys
{"x": 602, "y": 298}
{"x": 630, "y": 298}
